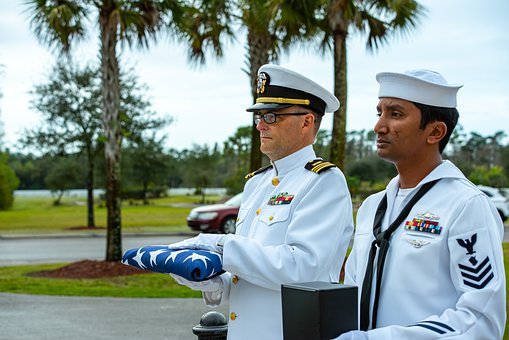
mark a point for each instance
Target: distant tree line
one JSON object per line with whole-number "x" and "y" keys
{"x": 149, "y": 169}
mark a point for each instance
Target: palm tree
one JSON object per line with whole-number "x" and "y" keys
{"x": 61, "y": 23}
{"x": 380, "y": 20}
{"x": 271, "y": 26}
{"x": 262, "y": 48}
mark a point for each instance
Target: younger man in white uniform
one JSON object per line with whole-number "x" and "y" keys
{"x": 443, "y": 274}
{"x": 295, "y": 220}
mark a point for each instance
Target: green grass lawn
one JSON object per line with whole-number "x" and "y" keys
{"x": 151, "y": 285}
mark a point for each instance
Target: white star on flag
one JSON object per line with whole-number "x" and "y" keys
{"x": 195, "y": 256}
{"x": 137, "y": 258}
{"x": 174, "y": 254}
{"x": 153, "y": 256}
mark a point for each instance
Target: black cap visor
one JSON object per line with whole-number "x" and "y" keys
{"x": 267, "y": 106}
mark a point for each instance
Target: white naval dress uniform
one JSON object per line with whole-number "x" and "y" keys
{"x": 303, "y": 240}
{"x": 440, "y": 280}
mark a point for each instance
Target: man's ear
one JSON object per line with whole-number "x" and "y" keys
{"x": 308, "y": 120}
{"x": 438, "y": 130}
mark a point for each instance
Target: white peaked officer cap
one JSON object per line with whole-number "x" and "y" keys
{"x": 419, "y": 86}
{"x": 278, "y": 87}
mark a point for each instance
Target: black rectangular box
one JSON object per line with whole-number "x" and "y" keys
{"x": 318, "y": 310}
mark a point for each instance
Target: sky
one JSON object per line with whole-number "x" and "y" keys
{"x": 465, "y": 40}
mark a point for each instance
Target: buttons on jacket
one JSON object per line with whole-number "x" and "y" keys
{"x": 275, "y": 181}
{"x": 233, "y": 316}
{"x": 235, "y": 279}
{"x": 258, "y": 211}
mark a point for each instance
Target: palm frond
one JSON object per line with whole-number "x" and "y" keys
{"x": 203, "y": 26}
{"x": 57, "y": 23}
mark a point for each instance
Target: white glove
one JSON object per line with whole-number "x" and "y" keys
{"x": 202, "y": 241}
{"x": 353, "y": 335}
{"x": 211, "y": 285}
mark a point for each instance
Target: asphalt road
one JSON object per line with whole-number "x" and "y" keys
{"x": 27, "y": 317}
{"x": 30, "y": 250}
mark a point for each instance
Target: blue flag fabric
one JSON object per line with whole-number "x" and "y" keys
{"x": 191, "y": 264}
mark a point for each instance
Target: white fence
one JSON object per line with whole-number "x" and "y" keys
{"x": 97, "y": 192}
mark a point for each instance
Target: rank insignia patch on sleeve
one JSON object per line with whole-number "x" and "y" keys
{"x": 475, "y": 273}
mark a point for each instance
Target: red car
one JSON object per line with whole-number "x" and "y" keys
{"x": 216, "y": 218}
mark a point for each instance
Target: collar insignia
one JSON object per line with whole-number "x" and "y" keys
{"x": 281, "y": 198}
{"x": 424, "y": 222}
{"x": 262, "y": 82}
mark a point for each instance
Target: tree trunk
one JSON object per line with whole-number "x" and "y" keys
{"x": 90, "y": 191}
{"x": 338, "y": 141}
{"x": 145, "y": 189}
{"x": 258, "y": 55}
{"x": 111, "y": 125}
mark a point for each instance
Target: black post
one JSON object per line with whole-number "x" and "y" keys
{"x": 213, "y": 326}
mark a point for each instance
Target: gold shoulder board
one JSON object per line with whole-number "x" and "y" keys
{"x": 319, "y": 165}
{"x": 259, "y": 171}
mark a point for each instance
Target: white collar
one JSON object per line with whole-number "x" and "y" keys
{"x": 297, "y": 159}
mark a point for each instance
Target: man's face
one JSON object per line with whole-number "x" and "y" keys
{"x": 286, "y": 135}
{"x": 399, "y": 138}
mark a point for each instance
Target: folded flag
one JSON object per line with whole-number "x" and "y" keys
{"x": 191, "y": 264}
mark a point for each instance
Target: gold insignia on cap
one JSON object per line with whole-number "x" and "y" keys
{"x": 263, "y": 79}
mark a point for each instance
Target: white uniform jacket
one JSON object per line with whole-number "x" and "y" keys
{"x": 444, "y": 272}
{"x": 295, "y": 229}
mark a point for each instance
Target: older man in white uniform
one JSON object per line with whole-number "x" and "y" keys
{"x": 295, "y": 220}
{"x": 427, "y": 251}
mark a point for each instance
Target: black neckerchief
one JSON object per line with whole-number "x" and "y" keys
{"x": 382, "y": 242}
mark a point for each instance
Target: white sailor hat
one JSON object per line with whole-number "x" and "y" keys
{"x": 419, "y": 86}
{"x": 279, "y": 87}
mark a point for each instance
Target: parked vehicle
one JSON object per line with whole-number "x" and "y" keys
{"x": 500, "y": 201}
{"x": 505, "y": 192}
{"x": 216, "y": 218}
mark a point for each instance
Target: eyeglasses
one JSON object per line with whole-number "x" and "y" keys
{"x": 270, "y": 117}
